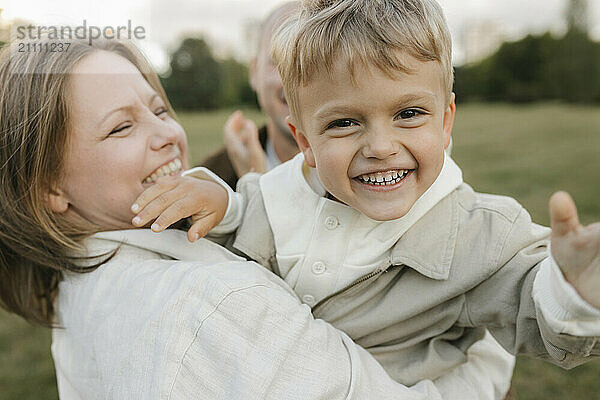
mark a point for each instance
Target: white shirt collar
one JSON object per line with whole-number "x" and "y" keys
{"x": 301, "y": 219}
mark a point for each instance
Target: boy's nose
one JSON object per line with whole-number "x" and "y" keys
{"x": 379, "y": 144}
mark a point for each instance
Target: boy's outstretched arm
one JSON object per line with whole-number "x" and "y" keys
{"x": 576, "y": 248}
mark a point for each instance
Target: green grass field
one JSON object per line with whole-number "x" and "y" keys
{"x": 527, "y": 152}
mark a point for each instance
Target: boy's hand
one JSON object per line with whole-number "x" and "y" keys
{"x": 243, "y": 146}
{"x": 173, "y": 198}
{"x": 576, "y": 248}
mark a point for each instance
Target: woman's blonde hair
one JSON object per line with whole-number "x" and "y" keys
{"x": 36, "y": 245}
{"x": 369, "y": 32}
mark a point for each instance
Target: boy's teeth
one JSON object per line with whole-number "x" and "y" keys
{"x": 384, "y": 178}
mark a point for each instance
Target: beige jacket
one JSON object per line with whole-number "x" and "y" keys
{"x": 171, "y": 320}
{"x": 469, "y": 263}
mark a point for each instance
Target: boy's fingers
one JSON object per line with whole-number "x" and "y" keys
{"x": 177, "y": 210}
{"x": 156, "y": 207}
{"x": 162, "y": 185}
{"x": 563, "y": 214}
{"x": 201, "y": 227}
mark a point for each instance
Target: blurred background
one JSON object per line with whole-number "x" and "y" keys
{"x": 528, "y": 119}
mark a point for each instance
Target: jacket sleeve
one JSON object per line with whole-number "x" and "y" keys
{"x": 505, "y": 305}
{"x": 261, "y": 343}
{"x": 254, "y": 237}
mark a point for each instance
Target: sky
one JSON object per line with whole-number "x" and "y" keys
{"x": 227, "y": 24}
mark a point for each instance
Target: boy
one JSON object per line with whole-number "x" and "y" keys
{"x": 372, "y": 224}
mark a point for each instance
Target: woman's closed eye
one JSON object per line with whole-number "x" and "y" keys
{"x": 120, "y": 128}
{"x": 161, "y": 111}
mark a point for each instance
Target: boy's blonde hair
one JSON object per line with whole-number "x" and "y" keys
{"x": 370, "y": 32}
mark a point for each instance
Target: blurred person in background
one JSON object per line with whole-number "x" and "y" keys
{"x": 246, "y": 147}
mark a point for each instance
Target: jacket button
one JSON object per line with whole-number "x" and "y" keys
{"x": 318, "y": 268}
{"x": 308, "y": 299}
{"x": 331, "y": 223}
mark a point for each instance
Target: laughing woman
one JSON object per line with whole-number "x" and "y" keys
{"x": 137, "y": 314}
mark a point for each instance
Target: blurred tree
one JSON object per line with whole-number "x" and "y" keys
{"x": 197, "y": 81}
{"x": 577, "y": 15}
{"x": 195, "y": 76}
{"x": 535, "y": 68}
{"x": 235, "y": 87}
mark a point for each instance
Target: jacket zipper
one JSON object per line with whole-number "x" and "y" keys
{"x": 377, "y": 271}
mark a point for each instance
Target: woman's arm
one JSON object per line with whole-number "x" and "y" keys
{"x": 261, "y": 343}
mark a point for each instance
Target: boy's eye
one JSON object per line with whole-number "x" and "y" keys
{"x": 341, "y": 123}
{"x": 160, "y": 111}
{"x": 410, "y": 113}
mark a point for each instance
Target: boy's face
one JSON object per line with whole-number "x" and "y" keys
{"x": 378, "y": 145}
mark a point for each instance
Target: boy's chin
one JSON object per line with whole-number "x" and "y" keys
{"x": 386, "y": 214}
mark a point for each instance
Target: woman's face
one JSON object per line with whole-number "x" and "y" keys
{"x": 120, "y": 139}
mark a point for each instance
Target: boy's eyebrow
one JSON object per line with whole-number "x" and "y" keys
{"x": 419, "y": 97}
{"x": 326, "y": 111}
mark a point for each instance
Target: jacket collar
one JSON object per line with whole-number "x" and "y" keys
{"x": 428, "y": 246}
{"x": 172, "y": 243}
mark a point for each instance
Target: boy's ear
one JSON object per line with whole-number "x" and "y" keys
{"x": 57, "y": 201}
{"x": 302, "y": 142}
{"x": 449, "y": 120}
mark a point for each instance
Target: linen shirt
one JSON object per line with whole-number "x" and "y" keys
{"x": 166, "y": 319}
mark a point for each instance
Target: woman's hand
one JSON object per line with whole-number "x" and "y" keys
{"x": 173, "y": 198}
{"x": 576, "y": 248}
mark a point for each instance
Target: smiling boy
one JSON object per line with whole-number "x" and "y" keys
{"x": 373, "y": 226}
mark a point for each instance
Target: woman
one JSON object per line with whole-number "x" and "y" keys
{"x": 135, "y": 314}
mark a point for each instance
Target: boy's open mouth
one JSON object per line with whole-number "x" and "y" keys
{"x": 387, "y": 178}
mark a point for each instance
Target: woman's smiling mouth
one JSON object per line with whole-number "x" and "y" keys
{"x": 170, "y": 168}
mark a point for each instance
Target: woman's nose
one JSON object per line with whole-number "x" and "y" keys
{"x": 163, "y": 136}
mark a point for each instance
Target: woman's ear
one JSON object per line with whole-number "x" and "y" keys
{"x": 303, "y": 143}
{"x": 57, "y": 201}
